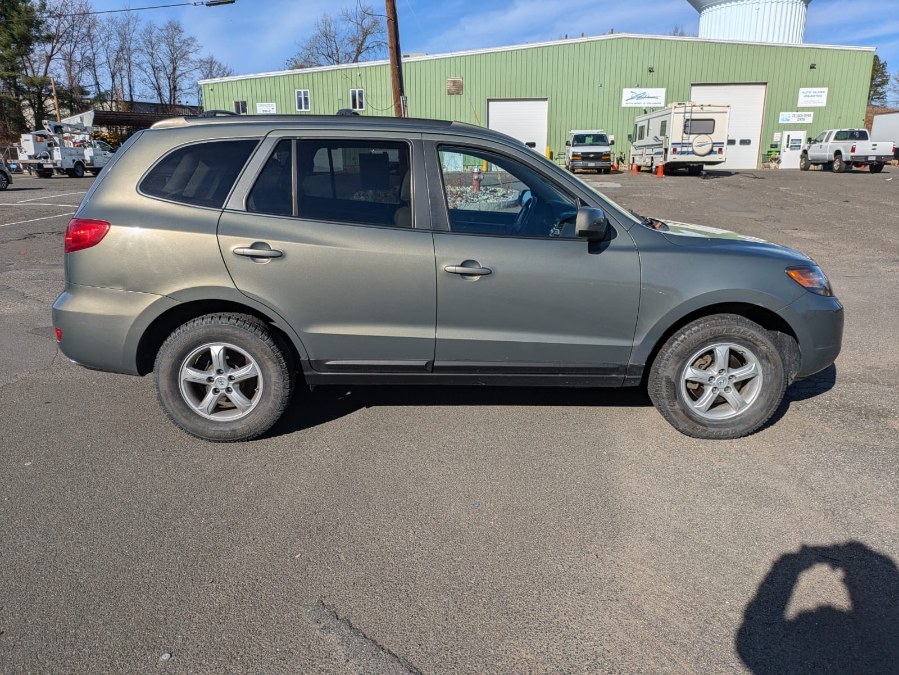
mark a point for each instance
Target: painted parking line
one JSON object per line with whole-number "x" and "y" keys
{"x": 64, "y": 194}
{"x": 66, "y": 206}
{"x": 34, "y": 220}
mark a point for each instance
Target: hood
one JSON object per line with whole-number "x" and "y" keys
{"x": 689, "y": 234}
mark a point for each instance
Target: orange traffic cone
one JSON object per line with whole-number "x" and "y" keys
{"x": 634, "y": 168}
{"x": 615, "y": 164}
{"x": 660, "y": 171}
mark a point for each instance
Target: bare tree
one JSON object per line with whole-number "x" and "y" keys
{"x": 678, "y": 31}
{"x": 354, "y": 35}
{"x": 209, "y": 68}
{"x": 894, "y": 88}
{"x": 168, "y": 63}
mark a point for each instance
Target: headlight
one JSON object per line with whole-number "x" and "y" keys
{"x": 811, "y": 278}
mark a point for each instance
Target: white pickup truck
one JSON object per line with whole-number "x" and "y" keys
{"x": 841, "y": 149}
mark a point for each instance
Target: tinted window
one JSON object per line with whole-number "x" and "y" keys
{"x": 590, "y": 139}
{"x": 365, "y": 182}
{"x": 273, "y": 191}
{"x": 841, "y": 136}
{"x": 663, "y": 130}
{"x": 641, "y": 132}
{"x": 200, "y": 174}
{"x": 695, "y": 126}
{"x": 491, "y": 194}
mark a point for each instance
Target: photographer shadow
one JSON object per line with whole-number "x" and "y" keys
{"x": 862, "y": 639}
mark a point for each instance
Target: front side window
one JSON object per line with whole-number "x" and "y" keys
{"x": 273, "y": 191}
{"x": 303, "y": 100}
{"x": 358, "y": 182}
{"x": 201, "y": 174}
{"x": 693, "y": 126}
{"x": 240, "y": 107}
{"x": 357, "y": 99}
{"x": 492, "y": 194}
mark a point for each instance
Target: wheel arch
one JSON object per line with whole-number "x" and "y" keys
{"x": 150, "y": 339}
{"x": 784, "y": 334}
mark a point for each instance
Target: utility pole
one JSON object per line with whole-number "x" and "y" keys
{"x": 396, "y": 60}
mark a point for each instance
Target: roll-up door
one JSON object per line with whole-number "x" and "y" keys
{"x": 747, "y": 108}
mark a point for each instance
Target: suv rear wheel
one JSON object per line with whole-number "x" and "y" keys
{"x": 224, "y": 377}
{"x": 719, "y": 377}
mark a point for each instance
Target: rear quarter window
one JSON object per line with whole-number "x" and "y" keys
{"x": 200, "y": 174}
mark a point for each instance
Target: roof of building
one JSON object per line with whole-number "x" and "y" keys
{"x": 531, "y": 45}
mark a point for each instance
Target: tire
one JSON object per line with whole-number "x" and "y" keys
{"x": 838, "y": 166}
{"x": 77, "y": 170}
{"x": 4, "y": 181}
{"x": 875, "y": 168}
{"x": 236, "y": 343}
{"x": 679, "y": 389}
{"x": 804, "y": 164}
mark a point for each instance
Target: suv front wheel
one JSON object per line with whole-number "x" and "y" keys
{"x": 224, "y": 377}
{"x": 718, "y": 377}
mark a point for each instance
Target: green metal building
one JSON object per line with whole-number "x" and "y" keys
{"x": 779, "y": 94}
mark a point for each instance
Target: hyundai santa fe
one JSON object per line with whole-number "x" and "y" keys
{"x": 237, "y": 258}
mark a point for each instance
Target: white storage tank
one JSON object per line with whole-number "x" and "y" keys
{"x": 778, "y": 21}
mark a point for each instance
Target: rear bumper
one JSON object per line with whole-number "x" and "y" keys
{"x": 867, "y": 159}
{"x": 818, "y": 322}
{"x": 101, "y": 327}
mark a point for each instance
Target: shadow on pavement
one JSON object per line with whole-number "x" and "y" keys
{"x": 862, "y": 639}
{"x": 325, "y": 404}
{"x": 802, "y": 390}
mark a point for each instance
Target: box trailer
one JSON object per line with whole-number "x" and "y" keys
{"x": 886, "y": 128}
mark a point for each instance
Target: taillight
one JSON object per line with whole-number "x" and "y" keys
{"x": 58, "y": 331}
{"x": 83, "y": 233}
{"x": 673, "y": 151}
{"x": 720, "y": 151}
{"x": 852, "y": 151}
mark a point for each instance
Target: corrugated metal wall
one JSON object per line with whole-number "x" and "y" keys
{"x": 583, "y": 81}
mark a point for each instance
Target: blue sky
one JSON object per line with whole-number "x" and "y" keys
{"x": 259, "y": 35}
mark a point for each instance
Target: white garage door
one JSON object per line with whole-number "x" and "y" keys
{"x": 747, "y": 107}
{"x": 525, "y": 120}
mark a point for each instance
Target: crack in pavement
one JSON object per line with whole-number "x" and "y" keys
{"x": 362, "y": 653}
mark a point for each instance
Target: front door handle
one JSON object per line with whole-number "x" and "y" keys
{"x": 474, "y": 271}
{"x": 258, "y": 250}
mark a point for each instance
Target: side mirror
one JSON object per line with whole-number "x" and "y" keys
{"x": 630, "y": 138}
{"x": 611, "y": 141}
{"x": 525, "y": 196}
{"x": 591, "y": 223}
{"x": 568, "y": 143}
{"x": 531, "y": 144}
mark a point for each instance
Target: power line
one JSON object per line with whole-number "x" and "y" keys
{"x": 206, "y": 3}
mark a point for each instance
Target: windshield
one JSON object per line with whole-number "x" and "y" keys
{"x": 590, "y": 139}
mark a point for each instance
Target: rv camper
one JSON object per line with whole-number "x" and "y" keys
{"x": 681, "y": 136}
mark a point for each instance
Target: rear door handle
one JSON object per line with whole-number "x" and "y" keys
{"x": 258, "y": 250}
{"x": 467, "y": 271}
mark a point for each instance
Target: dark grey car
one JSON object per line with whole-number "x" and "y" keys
{"x": 238, "y": 256}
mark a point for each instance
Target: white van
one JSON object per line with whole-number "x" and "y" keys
{"x": 682, "y": 135}
{"x": 589, "y": 149}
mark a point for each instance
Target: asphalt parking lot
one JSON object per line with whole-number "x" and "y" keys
{"x": 461, "y": 530}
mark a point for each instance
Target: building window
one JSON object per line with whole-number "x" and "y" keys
{"x": 357, "y": 99}
{"x": 240, "y": 107}
{"x": 303, "y": 100}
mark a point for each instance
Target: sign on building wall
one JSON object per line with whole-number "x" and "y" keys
{"x": 643, "y": 98}
{"x": 796, "y": 117}
{"x": 812, "y": 97}
{"x": 266, "y": 109}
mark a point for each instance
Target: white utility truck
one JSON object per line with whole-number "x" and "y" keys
{"x": 63, "y": 148}
{"x": 688, "y": 136}
{"x": 589, "y": 149}
{"x": 841, "y": 149}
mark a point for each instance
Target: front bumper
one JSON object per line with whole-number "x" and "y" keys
{"x": 101, "y": 327}
{"x": 818, "y": 322}
{"x": 590, "y": 164}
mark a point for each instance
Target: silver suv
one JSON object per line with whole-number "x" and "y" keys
{"x": 235, "y": 257}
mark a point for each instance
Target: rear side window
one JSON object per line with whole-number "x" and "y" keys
{"x": 695, "y": 126}
{"x": 359, "y": 182}
{"x": 200, "y": 175}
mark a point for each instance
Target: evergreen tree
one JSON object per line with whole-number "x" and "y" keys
{"x": 20, "y": 30}
{"x": 880, "y": 79}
